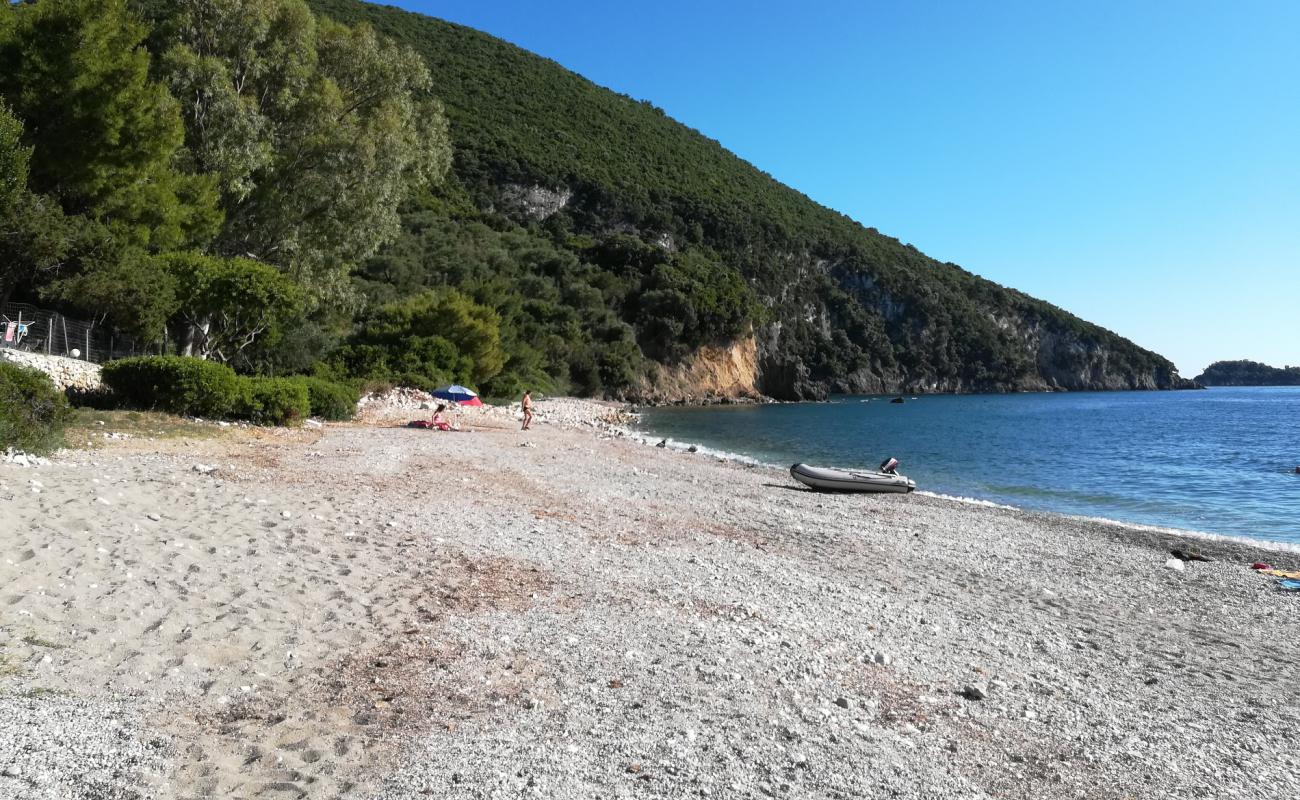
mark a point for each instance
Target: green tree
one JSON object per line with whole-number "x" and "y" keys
{"x": 121, "y": 283}
{"x": 15, "y": 158}
{"x": 690, "y": 300}
{"x": 104, "y": 135}
{"x": 34, "y": 234}
{"x": 227, "y": 305}
{"x": 316, "y": 131}
{"x": 425, "y": 339}
{"x": 36, "y": 239}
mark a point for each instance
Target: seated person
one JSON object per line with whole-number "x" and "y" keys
{"x": 439, "y": 420}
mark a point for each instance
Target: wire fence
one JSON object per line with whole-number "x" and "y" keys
{"x": 26, "y": 327}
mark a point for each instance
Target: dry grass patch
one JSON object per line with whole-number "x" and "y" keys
{"x": 91, "y": 428}
{"x": 464, "y": 585}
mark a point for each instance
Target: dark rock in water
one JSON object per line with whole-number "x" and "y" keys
{"x": 662, "y": 443}
{"x": 692, "y": 449}
{"x": 896, "y": 400}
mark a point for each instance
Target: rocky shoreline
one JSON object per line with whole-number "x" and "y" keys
{"x": 369, "y": 611}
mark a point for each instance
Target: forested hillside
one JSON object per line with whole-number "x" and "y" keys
{"x": 1248, "y": 373}
{"x": 835, "y": 306}
{"x": 375, "y": 196}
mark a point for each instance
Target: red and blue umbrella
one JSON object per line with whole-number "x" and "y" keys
{"x": 458, "y": 394}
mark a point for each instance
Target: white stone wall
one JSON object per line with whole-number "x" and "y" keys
{"x": 65, "y": 372}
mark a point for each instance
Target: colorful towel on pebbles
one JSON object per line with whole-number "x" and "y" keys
{"x": 1290, "y": 584}
{"x": 1282, "y": 573}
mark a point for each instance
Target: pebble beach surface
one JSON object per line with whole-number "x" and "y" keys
{"x": 370, "y": 611}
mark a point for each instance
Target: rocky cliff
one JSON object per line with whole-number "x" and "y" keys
{"x": 711, "y": 374}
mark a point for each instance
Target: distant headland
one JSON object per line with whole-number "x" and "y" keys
{"x": 1248, "y": 373}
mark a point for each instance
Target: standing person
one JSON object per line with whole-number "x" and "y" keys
{"x": 527, "y": 404}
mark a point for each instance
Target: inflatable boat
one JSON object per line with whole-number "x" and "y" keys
{"x": 838, "y": 480}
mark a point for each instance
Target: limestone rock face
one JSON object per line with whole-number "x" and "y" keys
{"x": 711, "y": 374}
{"x": 66, "y": 373}
{"x": 533, "y": 202}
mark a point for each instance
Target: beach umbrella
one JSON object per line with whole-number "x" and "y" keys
{"x": 458, "y": 394}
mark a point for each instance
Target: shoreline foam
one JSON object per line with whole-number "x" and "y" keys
{"x": 644, "y": 436}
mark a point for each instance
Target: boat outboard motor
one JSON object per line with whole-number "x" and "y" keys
{"x": 889, "y": 466}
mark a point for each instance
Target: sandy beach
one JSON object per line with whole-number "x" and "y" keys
{"x": 367, "y": 611}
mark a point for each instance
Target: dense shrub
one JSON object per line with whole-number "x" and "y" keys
{"x": 426, "y": 340}
{"x": 176, "y": 384}
{"x": 192, "y": 386}
{"x": 32, "y": 411}
{"x": 330, "y": 400}
{"x": 273, "y": 401}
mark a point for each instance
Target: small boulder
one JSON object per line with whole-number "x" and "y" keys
{"x": 973, "y": 691}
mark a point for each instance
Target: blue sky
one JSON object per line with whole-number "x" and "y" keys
{"x": 1135, "y": 163}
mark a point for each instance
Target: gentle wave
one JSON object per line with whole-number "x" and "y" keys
{"x": 1261, "y": 544}
{"x": 1200, "y": 461}
{"x": 1152, "y": 462}
{"x": 970, "y": 501}
{"x": 700, "y": 449}
{"x": 722, "y": 455}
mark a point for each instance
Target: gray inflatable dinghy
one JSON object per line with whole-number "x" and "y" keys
{"x": 838, "y": 480}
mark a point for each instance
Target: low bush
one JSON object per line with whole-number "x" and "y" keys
{"x": 177, "y": 384}
{"x": 330, "y": 400}
{"x": 32, "y": 412}
{"x": 194, "y": 387}
{"x": 273, "y": 401}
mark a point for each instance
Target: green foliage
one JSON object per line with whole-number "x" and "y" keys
{"x": 427, "y": 339}
{"x": 176, "y": 384}
{"x": 689, "y": 300}
{"x": 104, "y": 134}
{"x": 35, "y": 240}
{"x": 35, "y": 236}
{"x": 330, "y": 400}
{"x": 194, "y": 387}
{"x": 124, "y": 284}
{"x": 553, "y": 307}
{"x": 15, "y": 158}
{"x": 1248, "y": 373}
{"x": 32, "y": 412}
{"x": 272, "y": 401}
{"x": 828, "y": 296}
{"x": 292, "y": 170}
{"x": 315, "y": 130}
{"x": 228, "y": 304}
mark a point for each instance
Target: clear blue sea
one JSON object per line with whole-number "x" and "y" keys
{"x": 1219, "y": 461}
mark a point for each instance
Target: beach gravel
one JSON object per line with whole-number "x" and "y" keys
{"x": 369, "y": 611}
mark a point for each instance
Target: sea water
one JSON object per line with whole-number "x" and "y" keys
{"x": 1219, "y": 461}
